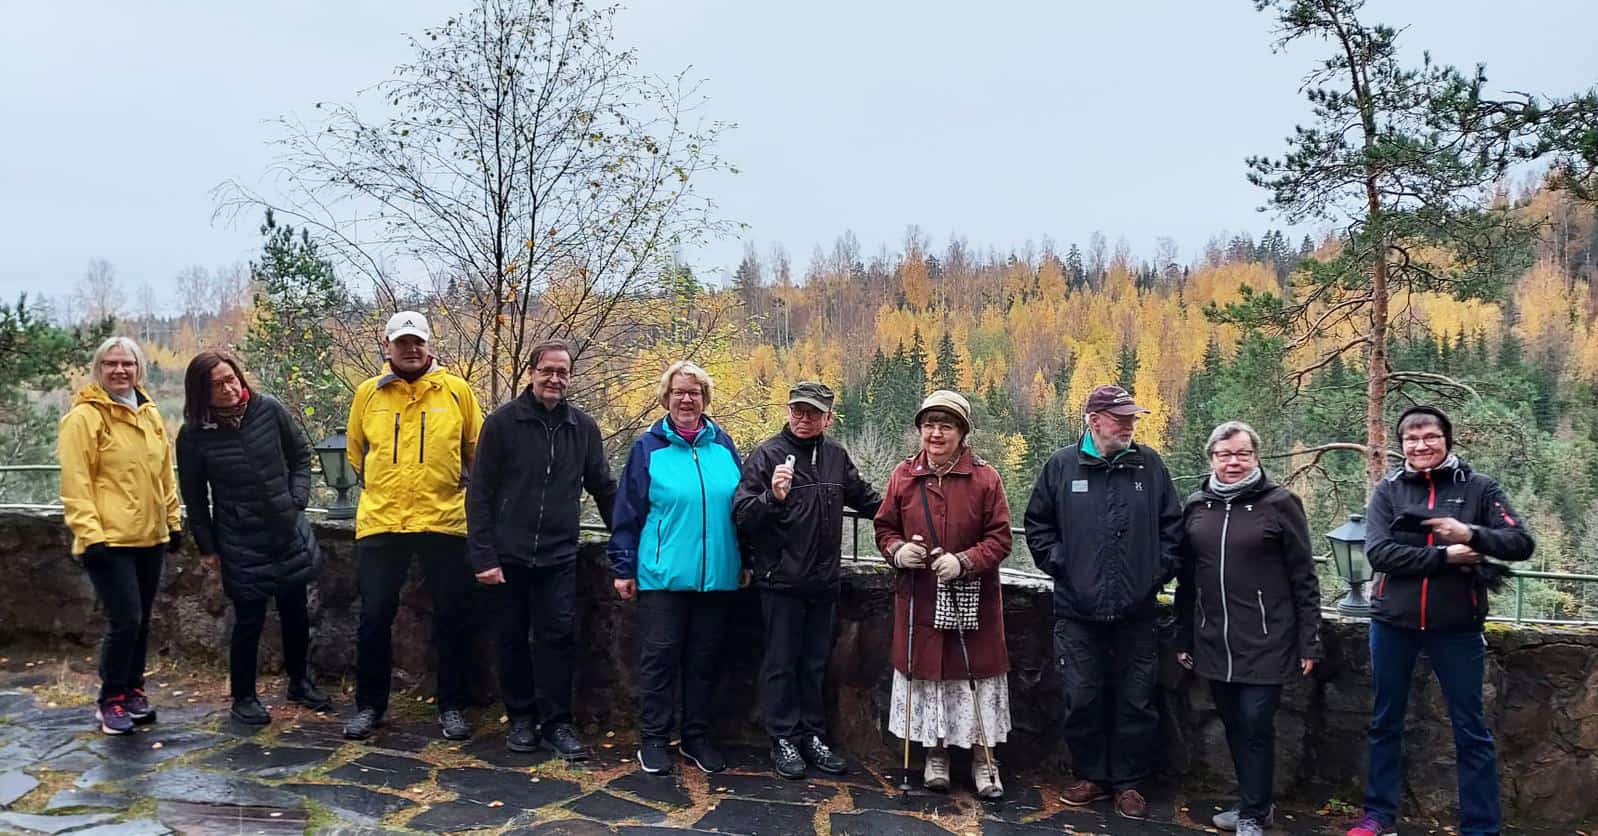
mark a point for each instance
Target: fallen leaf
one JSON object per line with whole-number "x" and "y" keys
{"x": 275, "y": 814}
{"x": 177, "y": 693}
{"x": 610, "y": 734}
{"x": 496, "y": 804}
{"x": 158, "y": 745}
{"x": 51, "y": 704}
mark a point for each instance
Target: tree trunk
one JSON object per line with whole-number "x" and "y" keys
{"x": 1376, "y": 385}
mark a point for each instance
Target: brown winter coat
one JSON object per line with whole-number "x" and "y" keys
{"x": 972, "y": 516}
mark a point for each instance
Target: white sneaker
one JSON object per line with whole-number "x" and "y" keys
{"x": 985, "y": 774}
{"x": 936, "y": 774}
{"x": 1227, "y": 819}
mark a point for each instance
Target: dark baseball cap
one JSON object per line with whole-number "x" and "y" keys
{"x": 818, "y": 395}
{"x": 1112, "y": 399}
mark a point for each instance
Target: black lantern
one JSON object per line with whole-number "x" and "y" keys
{"x": 1348, "y": 555}
{"x": 339, "y": 475}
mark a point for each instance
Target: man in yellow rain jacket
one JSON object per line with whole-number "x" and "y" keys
{"x": 412, "y": 433}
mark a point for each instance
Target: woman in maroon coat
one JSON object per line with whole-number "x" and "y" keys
{"x": 944, "y": 517}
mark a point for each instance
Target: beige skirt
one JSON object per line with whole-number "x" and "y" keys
{"x": 943, "y": 713}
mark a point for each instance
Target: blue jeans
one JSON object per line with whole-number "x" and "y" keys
{"x": 1458, "y": 659}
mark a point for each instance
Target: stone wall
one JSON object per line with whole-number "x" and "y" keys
{"x": 1541, "y": 691}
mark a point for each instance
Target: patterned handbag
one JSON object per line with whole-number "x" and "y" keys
{"x": 958, "y": 600}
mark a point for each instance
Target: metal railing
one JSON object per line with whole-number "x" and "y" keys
{"x": 1587, "y": 582}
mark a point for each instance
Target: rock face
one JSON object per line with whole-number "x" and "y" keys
{"x": 1541, "y": 691}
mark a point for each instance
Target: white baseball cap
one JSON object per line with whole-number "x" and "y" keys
{"x": 408, "y": 322}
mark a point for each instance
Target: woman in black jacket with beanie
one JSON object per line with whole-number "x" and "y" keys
{"x": 244, "y": 469}
{"x": 1429, "y": 529}
{"x": 1248, "y": 608}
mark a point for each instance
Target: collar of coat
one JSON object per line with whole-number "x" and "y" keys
{"x": 1458, "y": 471}
{"x": 96, "y": 394}
{"x": 707, "y": 433}
{"x": 1260, "y": 488}
{"x": 530, "y": 408}
{"x": 433, "y": 373}
{"x": 967, "y": 462}
{"x": 1089, "y": 454}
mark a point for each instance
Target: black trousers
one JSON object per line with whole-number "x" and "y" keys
{"x": 1111, "y": 719}
{"x": 125, "y": 580}
{"x": 798, "y": 646}
{"x": 1249, "y": 714}
{"x": 538, "y": 682}
{"x": 678, "y": 633}
{"x": 248, "y": 619}
{"x": 385, "y": 563}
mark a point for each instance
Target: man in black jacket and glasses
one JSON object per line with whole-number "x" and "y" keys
{"x": 535, "y": 457}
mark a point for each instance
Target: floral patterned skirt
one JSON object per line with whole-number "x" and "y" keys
{"x": 943, "y": 712}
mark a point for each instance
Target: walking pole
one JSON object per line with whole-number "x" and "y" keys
{"x": 976, "y": 708}
{"x": 909, "y": 680}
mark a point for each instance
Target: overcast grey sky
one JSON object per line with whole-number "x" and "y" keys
{"x": 1001, "y": 122}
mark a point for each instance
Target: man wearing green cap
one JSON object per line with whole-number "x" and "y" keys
{"x": 789, "y": 511}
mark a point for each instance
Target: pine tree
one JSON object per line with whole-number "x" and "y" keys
{"x": 915, "y": 369}
{"x": 1126, "y": 366}
{"x": 948, "y": 373}
{"x": 290, "y": 346}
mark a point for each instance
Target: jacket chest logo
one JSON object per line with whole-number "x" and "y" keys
{"x": 1137, "y": 486}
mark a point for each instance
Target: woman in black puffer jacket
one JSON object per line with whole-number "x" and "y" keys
{"x": 244, "y": 469}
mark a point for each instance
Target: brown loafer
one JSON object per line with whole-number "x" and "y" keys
{"x": 1131, "y": 804}
{"x": 1084, "y": 792}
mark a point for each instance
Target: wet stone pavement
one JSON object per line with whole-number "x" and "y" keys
{"x": 197, "y": 772}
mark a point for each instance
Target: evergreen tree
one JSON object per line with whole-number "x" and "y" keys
{"x": 1075, "y": 274}
{"x": 915, "y": 368}
{"x": 290, "y": 345}
{"x": 35, "y": 356}
{"x": 1126, "y": 366}
{"x": 948, "y": 373}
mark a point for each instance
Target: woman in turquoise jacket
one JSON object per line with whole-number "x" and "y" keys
{"x": 674, "y": 547}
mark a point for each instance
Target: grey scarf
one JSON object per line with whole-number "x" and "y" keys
{"x": 1227, "y": 492}
{"x": 1452, "y": 461}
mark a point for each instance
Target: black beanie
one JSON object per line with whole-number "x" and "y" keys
{"x": 1428, "y": 409}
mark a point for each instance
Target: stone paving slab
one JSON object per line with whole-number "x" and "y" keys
{"x": 14, "y": 785}
{"x": 365, "y": 805}
{"x": 566, "y": 827}
{"x": 916, "y": 801}
{"x": 153, "y": 744}
{"x": 879, "y": 822}
{"x": 771, "y": 788}
{"x": 516, "y": 790}
{"x": 76, "y": 799}
{"x": 199, "y": 786}
{"x": 603, "y": 806}
{"x": 376, "y": 769}
{"x": 110, "y": 773}
{"x": 132, "y": 827}
{"x": 189, "y": 817}
{"x": 267, "y": 761}
{"x": 463, "y": 815}
{"x": 660, "y": 789}
{"x": 759, "y": 818}
{"x": 491, "y": 749}
{"x": 53, "y": 824}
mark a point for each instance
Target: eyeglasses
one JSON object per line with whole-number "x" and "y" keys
{"x": 1428, "y": 440}
{"x": 687, "y": 394}
{"x": 548, "y": 371}
{"x": 1233, "y": 456}
{"x": 1122, "y": 420}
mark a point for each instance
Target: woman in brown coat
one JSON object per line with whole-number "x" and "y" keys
{"x": 945, "y": 518}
